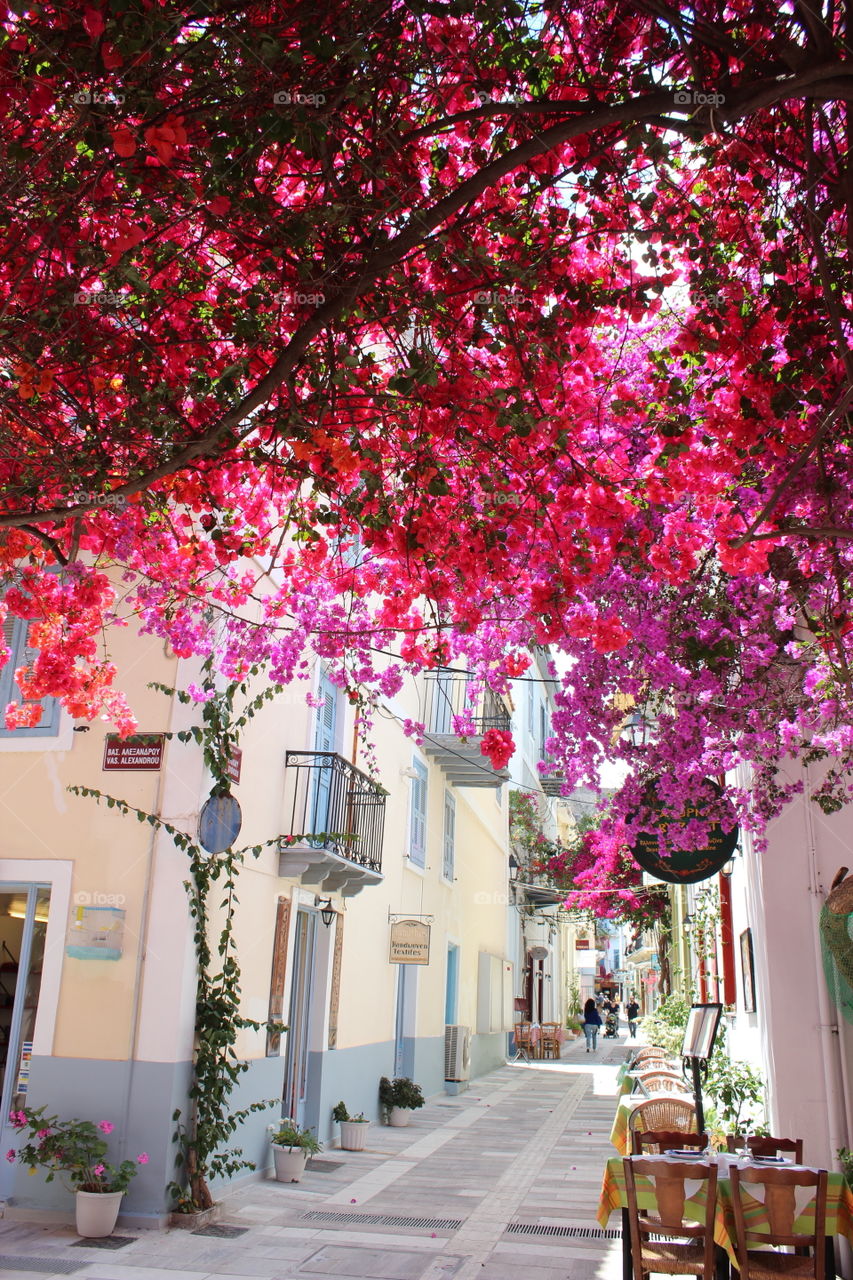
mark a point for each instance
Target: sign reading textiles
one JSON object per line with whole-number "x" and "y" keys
{"x": 409, "y": 942}
{"x": 142, "y": 751}
{"x": 685, "y": 866}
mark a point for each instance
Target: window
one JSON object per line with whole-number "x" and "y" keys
{"x": 449, "y": 836}
{"x": 530, "y": 708}
{"x": 15, "y": 631}
{"x": 543, "y": 729}
{"x": 417, "y": 825}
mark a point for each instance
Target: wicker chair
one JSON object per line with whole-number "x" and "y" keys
{"x": 661, "y": 1082}
{"x": 687, "y": 1246}
{"x": 754, "y": 1260}
{"x": 662, "y": 1113}
{"x": 648, "y": 1054}
{"x": 766, "y": 1146}
{"x": 654, "y": 1142}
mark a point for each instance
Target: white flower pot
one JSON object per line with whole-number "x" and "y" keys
{"x": 399, "y": 1117}
{"x": 96, "y": 1212}
{"x": 353, "y": 1134}
{"x": 289, "y": 1163}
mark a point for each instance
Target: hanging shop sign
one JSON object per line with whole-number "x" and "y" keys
{"x": 219, "y": 823}
{"x": 409, "y": 942}
{"x": 142, "y": 751}
{"x": 234, "y": 764}
{"x": 685, "y": 866}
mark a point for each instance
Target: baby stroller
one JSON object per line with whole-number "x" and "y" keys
{"x": 611, "y": 1025}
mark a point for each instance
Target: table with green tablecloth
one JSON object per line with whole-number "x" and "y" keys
{"x": 839, "y": 1207}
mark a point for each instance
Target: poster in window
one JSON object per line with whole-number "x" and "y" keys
{"x": 746, "y": 961}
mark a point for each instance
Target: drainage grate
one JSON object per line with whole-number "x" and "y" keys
{"x": 382, "y": 1220}
{"x": 104, "y": 1242}
{"x": 51, "y": 1266}
{"x": 574, "y": 1233}
{"x": 221, "y": 1231}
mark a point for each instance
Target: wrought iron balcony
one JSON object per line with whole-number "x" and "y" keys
{"x": 455, "y": 724}
{"x": 336, "y": 819}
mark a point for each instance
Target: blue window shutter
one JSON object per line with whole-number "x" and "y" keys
{"x": 15, "y": 631}
{"x": 449, "y": 835}
{"x": 417, "y": 834}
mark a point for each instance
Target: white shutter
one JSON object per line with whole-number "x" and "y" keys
{"x": 449, "y": 835}
{"x": 417, "y": 833}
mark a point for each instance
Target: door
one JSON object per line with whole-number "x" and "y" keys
{"x": 404, "y": 1028}
{"x": 451, "y": 991}
{"x": 299, "y": 1021}
{"x": 23, "y": 927}
{"x": 325, "y": 733}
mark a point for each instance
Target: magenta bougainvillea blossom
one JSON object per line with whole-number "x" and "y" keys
{"x": 412, "y": 337}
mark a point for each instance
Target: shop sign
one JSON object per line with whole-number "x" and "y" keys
{"x": 141, "y": 751}
{"x": 409, "y": 942}
{"x": 685, "y": 866}
{"x": 582, "y": 944}
{"x": 234, "y": 764}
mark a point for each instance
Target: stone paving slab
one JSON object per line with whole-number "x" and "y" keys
{"x": 527, "y": 1143}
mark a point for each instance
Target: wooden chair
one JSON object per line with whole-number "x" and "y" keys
{"x": 523, "y": 1036}
{"x": 761, "y": 1145}
{"x": 687, "y": 1247}
{"x": 756, "y": 1229}
{"x": 549, "y": 1040}
{"x": 657, "y": 1141}
{"x": 662, "y": 1113}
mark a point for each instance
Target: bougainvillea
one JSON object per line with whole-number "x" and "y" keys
{"x": 442, "y": 331}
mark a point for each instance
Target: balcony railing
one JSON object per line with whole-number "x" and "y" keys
{"x": 336, "y": 807}
{"x": 449, "y": 709}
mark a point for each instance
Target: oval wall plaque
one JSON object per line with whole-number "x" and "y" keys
{"x": 219, "y": 823}
{"x": 685, "y": 866}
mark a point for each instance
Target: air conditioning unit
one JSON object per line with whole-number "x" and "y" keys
{"x": 457, "y": 1053}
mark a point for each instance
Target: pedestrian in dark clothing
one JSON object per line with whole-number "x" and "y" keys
{"x": 633, "y": 1012}
{"x": 591, "y": 1024}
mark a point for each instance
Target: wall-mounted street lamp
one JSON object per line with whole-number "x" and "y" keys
{"x": 327, "y": 911}
{"x": 514, "y": 867}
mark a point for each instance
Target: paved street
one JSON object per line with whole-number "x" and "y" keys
{"x": 499, "y": 1183}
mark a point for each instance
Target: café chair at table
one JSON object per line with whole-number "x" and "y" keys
{"x": 662, "y": 1113}
{"x": 768, "y": 1220}
{"x": 687, "y": 1247}
{"x": 648, "y": 1054}
{"x": 657, "y": 1141}
{"x": 550, "y": 1040}
{"x": 522, "y": 1033}
{"x": 661, "y": 1082}
{"x": 763, "y": 1145}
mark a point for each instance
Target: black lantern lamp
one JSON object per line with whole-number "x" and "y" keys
{"x": 327, "y": 911}
{"x": 514, "y": 867}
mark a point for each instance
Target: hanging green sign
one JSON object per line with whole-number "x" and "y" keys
{"x": 681, "y": 865}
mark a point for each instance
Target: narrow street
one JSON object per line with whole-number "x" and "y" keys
{"x": 501, "y": 1182}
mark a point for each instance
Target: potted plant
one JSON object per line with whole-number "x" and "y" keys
{"x": 399, "y": 1098}
{"x": 353, "y": 1128}
{"x": 573, "y": 1025}
{"x": 75, "y": 1150}
{"x": 291, "y": 1147}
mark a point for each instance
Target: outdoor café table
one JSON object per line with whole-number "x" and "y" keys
{"x": 619, "y": 1135}
{"x": 536, "y": 1038}
{"x": 839, "y": 1210}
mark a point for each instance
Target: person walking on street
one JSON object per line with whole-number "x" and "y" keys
{"x": 591, "y": 1024}
{"x": 633, "y": 1012}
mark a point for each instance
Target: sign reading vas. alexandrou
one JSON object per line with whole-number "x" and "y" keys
{"x": 665, "y": 859}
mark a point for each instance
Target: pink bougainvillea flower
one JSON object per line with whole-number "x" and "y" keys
{"x": 143, "y": 1158}
{"x": 105, "y": 1126}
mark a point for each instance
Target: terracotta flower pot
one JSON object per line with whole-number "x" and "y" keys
{"x": 96, "y": 1212}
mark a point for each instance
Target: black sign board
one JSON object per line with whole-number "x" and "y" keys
{"x": 684, "y": 866}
